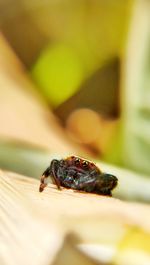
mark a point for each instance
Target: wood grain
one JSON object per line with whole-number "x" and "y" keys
{"x": 33, "y": 224}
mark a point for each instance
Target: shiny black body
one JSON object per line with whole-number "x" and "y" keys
{"x": 79, "y": 174}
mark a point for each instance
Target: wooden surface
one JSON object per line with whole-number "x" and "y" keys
{"x": 33, "y": 224}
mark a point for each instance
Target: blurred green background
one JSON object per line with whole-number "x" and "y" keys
{"x": 87, "y": 63}
{"x": 75, "y": 79}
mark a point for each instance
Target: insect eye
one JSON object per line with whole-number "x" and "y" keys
{"x": 72, "y": 157}
{"x": 85, "y": 163}
{"x": 77, "y": 160}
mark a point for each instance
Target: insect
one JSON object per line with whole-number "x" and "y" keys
{"x": 78, "y": 174}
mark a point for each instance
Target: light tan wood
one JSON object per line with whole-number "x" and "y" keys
{"x": 33, "y": 224}
{"x": 54, "y": 203}
{"x": 24, "y": 238}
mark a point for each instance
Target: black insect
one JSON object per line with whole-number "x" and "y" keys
{"x": 76, "y": 173}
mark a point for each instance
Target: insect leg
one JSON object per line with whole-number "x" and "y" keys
{"x": 44, "y": 176}
{"x": 50, "y": 172}
{"x": 53, "y": 168}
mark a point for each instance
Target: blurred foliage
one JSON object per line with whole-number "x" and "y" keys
{"x": 23, "y": 158}
{"x": 83, "y": 35}
{"x": 58, "y": 72}
{"x": 78, "y": 38}
{"x": 131, "y": 145}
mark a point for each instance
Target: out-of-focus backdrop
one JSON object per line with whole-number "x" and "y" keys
{"x": 85, "y": 83}
{"x": 74, "y": 79}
